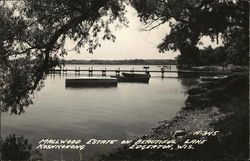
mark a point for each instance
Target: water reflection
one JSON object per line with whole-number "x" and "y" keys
{"x": 189, "y": 82}
{"x": 20, "y": 78}
{"x": 84, "y": 86}
{"x": 120, "y": 112}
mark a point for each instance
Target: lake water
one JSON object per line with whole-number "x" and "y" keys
{"x": 127, "y": 111}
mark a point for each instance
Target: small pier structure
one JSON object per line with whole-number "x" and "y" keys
{"x": 91, "y": 81}
{"x": 163, "y": 70}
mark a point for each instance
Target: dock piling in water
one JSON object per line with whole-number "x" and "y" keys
{"x": 104, "y": 72}
{"x": 133, "y": 70}
{"x": 117, "y": 72}
{"x": 77, "y": 71}
{"x": 146, "y": 70}
{"x": 162, "y": 72}
{"x": 91, "y": 71}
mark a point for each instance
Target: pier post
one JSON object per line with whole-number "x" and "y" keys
{"x": 64, "y": 71}
{"x": 60, "y": 70}
{"x": 104, "y": 72}
{"x": 132, "y": 71}
{"x": 146, "y": 70}
{"x": 117, "y": 72}
{"x": 162, "y": 72}
{"x": 91, "y": 71}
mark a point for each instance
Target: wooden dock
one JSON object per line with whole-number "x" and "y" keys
{"x": 118, "y": 71}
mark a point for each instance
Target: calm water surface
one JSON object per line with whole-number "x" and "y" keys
{"x": 127, "y": 111}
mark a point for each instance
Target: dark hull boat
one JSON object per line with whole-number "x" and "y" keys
{"x": 132, "y": 77}
{"x": 135, "y": 75}
{"x": 212, "y": 78}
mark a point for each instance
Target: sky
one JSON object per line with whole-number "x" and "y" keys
{"x": 131, "y": 43}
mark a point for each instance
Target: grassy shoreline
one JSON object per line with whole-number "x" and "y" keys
{"x": 216, "y": 106}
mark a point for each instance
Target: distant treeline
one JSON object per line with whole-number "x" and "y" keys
{"x": 125, "y": 62}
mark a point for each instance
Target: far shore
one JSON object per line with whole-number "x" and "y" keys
{"x": 122, "y": 62}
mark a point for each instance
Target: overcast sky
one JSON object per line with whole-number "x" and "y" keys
{"x": 131, "y": 43}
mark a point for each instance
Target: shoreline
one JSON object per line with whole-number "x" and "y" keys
{"x": 220, "y": 106}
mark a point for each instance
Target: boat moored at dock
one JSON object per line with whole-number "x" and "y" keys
{"x": 136, "y": 75}
{"x": 133, "y": 77}
{"x": 212, "y": 78}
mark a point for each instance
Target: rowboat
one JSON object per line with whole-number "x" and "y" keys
{"x": 136, "y": 75}
{"x": 212, "y": 78}
{"x": 132, "y": 77}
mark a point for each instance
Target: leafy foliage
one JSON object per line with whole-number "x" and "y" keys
{"x": 33, "y": 35}
{"x": 16, "y": 148}
{"x": 191, "y": 20}
{"x": 18, "y": 83}
{"x": 42, "y": 27}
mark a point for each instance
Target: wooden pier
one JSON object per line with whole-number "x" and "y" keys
{"x": 118, "y": 71}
